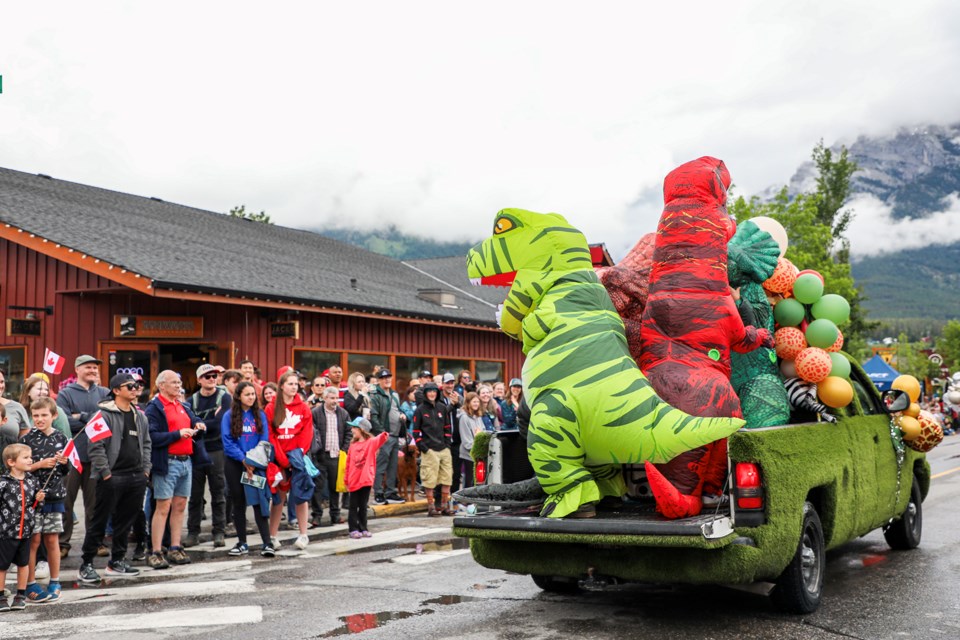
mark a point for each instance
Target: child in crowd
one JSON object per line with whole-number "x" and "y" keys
{"x": 18, "y": 494}
{"x": 49, "y": 467}
{"x": 360, "y": 470}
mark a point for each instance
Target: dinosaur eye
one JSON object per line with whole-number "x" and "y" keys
{"x": 503, "y": 225}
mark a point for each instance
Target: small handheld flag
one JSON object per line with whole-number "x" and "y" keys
{"x": 53, "y": 362}
{"x": 97, "y": 429}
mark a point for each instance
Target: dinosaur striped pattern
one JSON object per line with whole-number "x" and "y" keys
{"x": 591, "y": 408}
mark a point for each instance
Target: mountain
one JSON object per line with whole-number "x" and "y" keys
{"x": 911, "y": 171}
{"x": 392, "y": 242}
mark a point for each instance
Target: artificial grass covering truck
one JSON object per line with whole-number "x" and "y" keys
{"x": 794, "y": 492}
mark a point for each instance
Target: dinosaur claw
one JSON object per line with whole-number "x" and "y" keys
{"x": 670, "y": 502}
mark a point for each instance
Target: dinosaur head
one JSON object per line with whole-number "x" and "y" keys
{"x": 528, "y": 252}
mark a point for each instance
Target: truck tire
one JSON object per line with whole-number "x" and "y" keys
{"x": 800, "y": 586}
{"x": 904, "y": 533}
{"x": 557, "y": 584}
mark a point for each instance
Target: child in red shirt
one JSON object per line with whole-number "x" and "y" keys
{"x": 361, "y": 468}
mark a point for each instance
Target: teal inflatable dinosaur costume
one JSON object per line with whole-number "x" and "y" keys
{"x": 591, "y": 409}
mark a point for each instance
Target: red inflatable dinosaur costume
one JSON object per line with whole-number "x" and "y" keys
{"x": 690, "y": 323}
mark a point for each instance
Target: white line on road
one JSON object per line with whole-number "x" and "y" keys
{"x": 428, "y": 556}
{"x": 61, "y": 628}
{"x": 159, "y": 590}
{"x": 346, "y": 545}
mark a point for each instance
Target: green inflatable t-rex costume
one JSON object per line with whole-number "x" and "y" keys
{"x": 591, "y": 408}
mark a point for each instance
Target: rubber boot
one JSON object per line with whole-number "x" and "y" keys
{"x": 445, "y": 499}
{"x": 670, "y": 502}
{"x": 431, "y": 508}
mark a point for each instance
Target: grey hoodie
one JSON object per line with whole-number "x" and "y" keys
{"x": 103, "y": 453}
{"x": 76, "y": 398}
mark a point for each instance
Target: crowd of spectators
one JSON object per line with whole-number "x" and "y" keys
{"x": 150, "y": 465}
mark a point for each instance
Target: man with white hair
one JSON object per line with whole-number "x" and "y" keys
{"x": 172, "y": 428}
{"x": 331, "y": 436}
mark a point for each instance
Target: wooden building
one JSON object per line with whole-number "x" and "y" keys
{"x": 148, "y": 285}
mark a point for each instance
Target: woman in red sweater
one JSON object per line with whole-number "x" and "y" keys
{"x": 291, "y": 427}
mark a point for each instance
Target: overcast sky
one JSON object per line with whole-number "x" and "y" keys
{"x": 434, "y": 116}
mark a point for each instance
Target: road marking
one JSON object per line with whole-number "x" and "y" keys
{"x": 160, "y": 590}
{"x": 147, "y": 574}
{"x": 60, "y": 628}
{"x": 944, "y": 473}
{"x": 346, "y": 545}
{"x": 428, "y": 556}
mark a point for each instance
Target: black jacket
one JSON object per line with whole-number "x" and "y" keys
{"x": 431, "y": 427}
{"x": 320, "y": 429}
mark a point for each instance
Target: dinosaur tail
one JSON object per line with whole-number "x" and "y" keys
{"x": 670, "y": 502}
{"x": 525, "y": 493}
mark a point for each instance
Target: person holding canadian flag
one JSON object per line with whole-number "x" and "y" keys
{"x": 120, "y": 461}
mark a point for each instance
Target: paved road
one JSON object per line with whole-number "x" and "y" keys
{"x": 412, "y": 579}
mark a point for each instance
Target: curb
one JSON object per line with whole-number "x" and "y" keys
{"x": 388, "y": 510}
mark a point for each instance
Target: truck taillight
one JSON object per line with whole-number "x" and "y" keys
{"x": 481, "y": 471}
{"x": 749, "y": 491}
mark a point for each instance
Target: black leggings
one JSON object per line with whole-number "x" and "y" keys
{"x": 233, "y": 470}
{"x": 357, "y": 519}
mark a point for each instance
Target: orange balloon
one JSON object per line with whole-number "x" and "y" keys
{"x": 909, "y": 384}
{"x": 813, "y": 364}
{"x": 910, "y": 428}
{"x": 835, "y": 392}
{"x": 837, "y": 346}
{"x": 783, "y": 277}
{"x": 790, "y": 341}
{"x": 913, "y": 410}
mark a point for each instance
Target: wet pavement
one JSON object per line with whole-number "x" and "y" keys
{"x": 413, "y": 579}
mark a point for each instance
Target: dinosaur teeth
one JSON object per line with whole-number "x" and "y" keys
{"x": 475, "y": 282}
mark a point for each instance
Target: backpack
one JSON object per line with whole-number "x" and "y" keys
{"x": 195, "y": 401}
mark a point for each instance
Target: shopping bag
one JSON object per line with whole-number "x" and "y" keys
{"x": 342, "y": 473}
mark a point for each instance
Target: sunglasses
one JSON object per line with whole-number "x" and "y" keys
{"x": 209, "y": 376}
{"x": 130, "y": 386}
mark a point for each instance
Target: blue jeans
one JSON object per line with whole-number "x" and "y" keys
{"x": 177, "y": 481}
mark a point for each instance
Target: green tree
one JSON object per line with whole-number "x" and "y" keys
{"x": 241, "y": 212}
{"x": 833, "y": 185}
{"x": 911, "y": 359}
{"x": 948, "y": 345}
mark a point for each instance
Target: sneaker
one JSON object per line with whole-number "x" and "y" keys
{"x": 239, "y": 549}
{"x": 122, "y": 569}
{"x": 139, "y": 553}
{"x": 54, "y": 590}
{"x": 292, "y": 525}
{"x": 356, "y": 535}
{"x": 103, "y": 552}
{"x": 218, "y": 540}
{"x": 42, "y": 571}
{"x": 274, "y": 542}
{"x": 268, "y": 551}
{"x": 301, "y": 542}
{"x": 4, "y": 604}
{"x": 19, "y": 603}
{"x": 190, "y": 540}
{"x": 379, "y": 500}
{"x": 177, "y": 556}
{"x": 366, "y": 534}
{"x": 395, "y": 500}
{"x": 36, "y": 594}
{"x": 155, "y": 561}
{"x": 87, "y": 574}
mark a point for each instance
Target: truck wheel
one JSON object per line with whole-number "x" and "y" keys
{"x": 904, "y": 534}
{"x": 799, "y": 587}
{"x": 557, "y": 584}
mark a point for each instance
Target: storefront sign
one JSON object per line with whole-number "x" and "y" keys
{"x": 285, "y": 329}
{"x": 23, "y": 327}
{"x": 157, "y": 327}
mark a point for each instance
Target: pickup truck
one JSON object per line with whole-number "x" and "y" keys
{"x": 793, "y": 492}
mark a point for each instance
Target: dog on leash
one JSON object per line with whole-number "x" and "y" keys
{"x": 407, "y": 472}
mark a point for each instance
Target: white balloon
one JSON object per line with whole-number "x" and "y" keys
{"x": 788, "y": 369}
{"x": 953, "y": 397}
{"x": 775, "y": 229}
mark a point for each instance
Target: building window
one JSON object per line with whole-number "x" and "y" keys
{"x": 312, "y": 363}
{"x": 365, "y": 362}
{"x": 13, "y": 363}
{"x": 489, "y": 371}
{"x": 408, "y": 369}
{"x": 449, "y": 365}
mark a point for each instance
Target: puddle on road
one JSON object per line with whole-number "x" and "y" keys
{"x": 424, "y": 547}
{"x": 359, "y": 622}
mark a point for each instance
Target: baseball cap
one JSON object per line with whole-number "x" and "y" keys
{"x": 204, "y": 369}
{"x": 361, "y": 422}
{"x": 516, "y": 382}
{"x": 86, "y": 360}
{"x": 219, "y": 368}
{"x": 384, "y": 373}
{"x": 449, "y": 377}
{"x": 121, "y": 379}
{"x": 425, "y": 374}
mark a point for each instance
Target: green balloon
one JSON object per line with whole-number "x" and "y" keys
{"x": 822, "y": 333}
{"x": 831, "y": 307}
{"x": 788, "y": 313}
{"x": 807, "y": 288}
{"x": 841, "y": 366}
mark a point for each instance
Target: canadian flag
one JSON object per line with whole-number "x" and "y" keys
{"x": 70, "y": 453}
{"x": 97, "y": 428}
{"x": 53, "y": 362}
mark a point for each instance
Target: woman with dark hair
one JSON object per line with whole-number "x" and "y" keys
{"x": 511, "y": 404}
{"x": 464, "y": 383}
{"x": 242, "y": 428}
{"x": 269, "y": 392}
{"x": 409, "y": 406}
{"x": 470, "y": 424}
{"x": 291, "y": 430}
